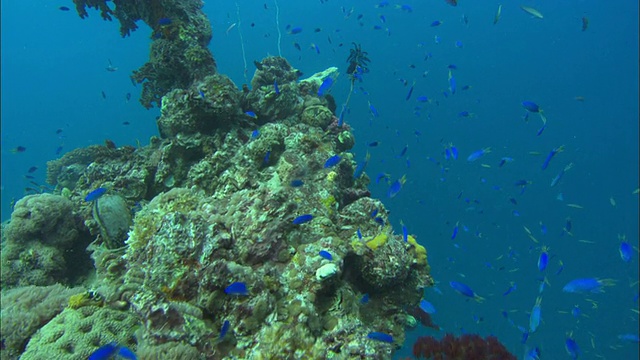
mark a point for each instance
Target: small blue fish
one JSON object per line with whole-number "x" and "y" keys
{"x": 459, "y": 44}
{"x": 465, "y": 290}
{"x": 504, "y": 160}
{"x": 379, "y": 221}
{"x": 454, "y": 152}
{"x": 361, "y": 166}
{"x": 427, "y": 307}
{"x": 380, "y": 336}
{"x": 530, "y": 106}
{"x": 405, "y": 233}
{"x": 164, "y": 21}
{"x": 535, "y": 317}
{"x": 572, "y": 348}
{"x": 510, "y": 289}
{"x": 109, "y": 350}
{"x": 373, "y": 144}
{"x": 275, "y": 87}
{"x": 295, "y": 30}
{"x": 237, "y": 288}
{"x": 255, "y": 134}
{"x": 332, "y": 161}
{"x": 422, "y": 99}
{"x": 543, "y": 259}
{"x": 267, "y": 156}
{"x": 359, "y": 234}
{"x": 224, "y": 329}
{"x": 436, "y": 23}
{"x": 629, "y": 337}
{"x": 325, "y": 86}
{"x": 452, "y": 83}
{"x": 553, "y": 153}
{"x": 626, "y": 251}
{"x": 302, "y": 219}
{"x": 296, "y": 183}
{"x": 410, "y": 92}
{"x": 396, "y": 186}
{"x": 251, "y": 114}
{"x": 478, "y": 154}
{"x": 374, "y": 213}
{"x": 575, "y": 312}
{"x": 593, "y": 285}
{"x": 95, "y": 194}
{"x": 364, "y": 299}
{"x": 382, "y": 176}
{"x": 373, "y": 110}
{"x": 541, "y": 130}
{"x": 455, "y": 232}
{"x": 325, "y": 255}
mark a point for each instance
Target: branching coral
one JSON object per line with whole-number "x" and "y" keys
{"x": 465, "y": 347}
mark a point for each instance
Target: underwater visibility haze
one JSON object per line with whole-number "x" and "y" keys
{"x": 319, "y": 179}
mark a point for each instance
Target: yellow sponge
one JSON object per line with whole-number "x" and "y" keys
{"x": 377, "y": 241}
{"x": 421, "y": 252}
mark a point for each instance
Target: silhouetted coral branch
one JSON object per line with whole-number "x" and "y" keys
{"x": 465, "y": 347}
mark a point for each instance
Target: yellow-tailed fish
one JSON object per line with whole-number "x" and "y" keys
{"x": 575, "y": 206}
{"x": 531, "y": 11}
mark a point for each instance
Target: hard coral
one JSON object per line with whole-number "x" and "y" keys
{"x": 465, "y": 347}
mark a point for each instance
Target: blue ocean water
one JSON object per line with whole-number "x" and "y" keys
{"x": 53, "y": 77}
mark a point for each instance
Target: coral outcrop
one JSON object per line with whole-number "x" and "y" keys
{"x": 44, "y": 243}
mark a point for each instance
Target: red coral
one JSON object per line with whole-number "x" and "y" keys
{"x": 467, "y": 347}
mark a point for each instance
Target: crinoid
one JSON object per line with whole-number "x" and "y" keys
{"x": 358, "y": 61}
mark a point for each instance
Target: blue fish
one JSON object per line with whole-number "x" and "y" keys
{"x": 553, "y": 153}
{"x": 255, "y": 134}
{"x": 510, "y": 289}
{"x": 572, "y": 348}
{"x": 296, "y": 183}
{"x": 325, "y": 255}
{"x": 295, "y": 30}
{"x": 454, "y": 152}
{"x": 164, "y": 21}
{"x": 361, "y": 166}
{"x": 543, "y": 259}
{"x": 530, "y": 106}
{"x": 275, "y": 87}
{"x": 410, "y": 92}
{"x": 380, "y": 336}
{"x": 374, "y": 213}
{"x": 436, "y": 23}
{"x": 302, "y": 219}
{"x": 459, "y": 44}
{"x": 95, "y": 194}
{"x": 452, "y": 83}
{"x": 332, "y": 161}
{"x": 237, "y": 288}
{"x": 465, "y": 290}
{"x": 251, "y": 114}
{"x": 593, "y": 285}
{"x": 111, "y": 349}
{"x": 427, "y": 307}
{"x": 478, "y": 154}
{"x": 396, "y": 186}
{"x": 325, "y": 86}
{"x": 359, "y": 233}
{"x": 625, "y": 251}
{"x": 455, "y": 232}
{"x": 364, "y": 299}
{"x": 373, "y": 110}
{"x": 379, "y": 220}
{"x": 267, "y": 156}
{"x": 536, "y": 314}
{"x": 422, "y": 99}
{"x": 224, "y": 329}
{"x": 405, "y": 233}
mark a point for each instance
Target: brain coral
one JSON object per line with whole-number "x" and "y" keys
{"x": 76, "y": 333}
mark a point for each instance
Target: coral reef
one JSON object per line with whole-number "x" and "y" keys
{"x": 76, "y": 333}
{"x": 465, "y": 347}
{"x": 214, "y": 204}
{"x": 44, "y": 243}
{"x": 27, "y": 309}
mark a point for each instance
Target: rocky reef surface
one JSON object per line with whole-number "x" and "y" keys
{"x": 251, "y": 188}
